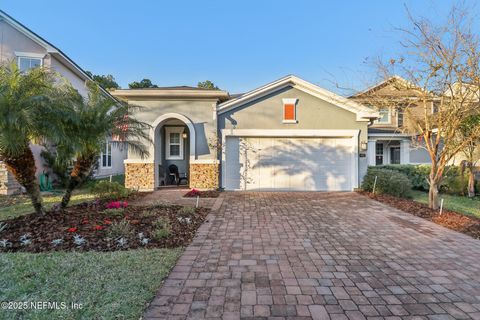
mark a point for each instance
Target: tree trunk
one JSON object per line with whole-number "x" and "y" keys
{"x": 433, "y": 201}
{"x": 81, "y": 170}
{"x": 471, "y": 181}
{"x": 23, "y": 169}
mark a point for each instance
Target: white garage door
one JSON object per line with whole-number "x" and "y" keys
{"x": 275, "y": 163}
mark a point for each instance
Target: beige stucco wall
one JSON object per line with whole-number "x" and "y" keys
{"x": 311, "y": 112}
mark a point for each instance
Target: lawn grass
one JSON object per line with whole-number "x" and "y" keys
{"x": 15, "y": 206}
{"x": 109, "y": 285}
{"x": 463, "y": 205}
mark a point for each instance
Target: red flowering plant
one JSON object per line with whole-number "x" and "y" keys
{"x": 72, "y": 229}
{"x": 98, "y": 227}
{"x": 193, "y": 193}
{"x": 106, "y": 221}
{"x": 117, "y": 205}
{"x": 85, "y": 221}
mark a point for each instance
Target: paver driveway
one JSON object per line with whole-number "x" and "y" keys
{"x": 321, "y": 256}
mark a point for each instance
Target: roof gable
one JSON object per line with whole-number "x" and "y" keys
{"x": 363, "y": 113}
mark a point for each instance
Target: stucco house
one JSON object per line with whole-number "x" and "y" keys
{"x": 286, "y": 135}
{"x": 387, "y": 141}
{"x": 28, "y": 49}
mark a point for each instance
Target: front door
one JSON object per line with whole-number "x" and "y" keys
{"x": 395, "y": 155}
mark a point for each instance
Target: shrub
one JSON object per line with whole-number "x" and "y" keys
{"x": 388, "y": 181}
{"x": 114, "y": 212}
{"x": 162, "y": 228}
{"x": 109, "y": 190}
{"x": 119, "y": 229}
{"x": 160, "y": 233}
{"x": 454, "y": 183}
{"x": 417, "y": 174}
{"x": 186, "y": 211}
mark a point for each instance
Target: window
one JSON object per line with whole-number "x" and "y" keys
{"x": 174, "y": 143}
{"x": 289, "y": 111}
{"x": 106, "y": 156}
{"x": 400, "y": 114}
{"x": 27, "y": 63}
{"x": 378, "y": 154}
{"x": 384, "y": 116}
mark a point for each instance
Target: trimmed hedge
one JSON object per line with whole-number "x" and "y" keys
{"x": 417, "y": 174}
{"x": 389, "y": 182}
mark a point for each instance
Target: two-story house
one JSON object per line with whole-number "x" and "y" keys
{"x": 388, "y": 142}
{"x": 29, "y": 50}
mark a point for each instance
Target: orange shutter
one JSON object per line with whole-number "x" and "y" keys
{"x": 289, "y": 112}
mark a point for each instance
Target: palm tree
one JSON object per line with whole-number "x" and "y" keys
{"x": 30, "y": 106}
{"x": 92, "y": 121}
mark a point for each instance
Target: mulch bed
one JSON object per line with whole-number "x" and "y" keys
{"x": 202, "y": 194}
{"x": 449, "y": 219}
{"x": 90, "y": 221}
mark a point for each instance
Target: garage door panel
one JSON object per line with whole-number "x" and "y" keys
{"x": 278, "y": 163}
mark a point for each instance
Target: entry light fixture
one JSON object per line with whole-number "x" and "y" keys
{"x": 364, "y": 145}
{"x": 184, "y": 135}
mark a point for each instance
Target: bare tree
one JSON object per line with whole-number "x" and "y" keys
{"x": 438, "y": 88}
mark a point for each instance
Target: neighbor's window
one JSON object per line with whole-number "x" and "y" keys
{"x": 174, "y": 143}
{"x": 289, "y": 110}
{"x": 400, "y": 114}
{"x": 384, "y": 115}
{"x": 378, "y": 154}
{"x": 27, "y": 63}
{"x": 106, "y": 156}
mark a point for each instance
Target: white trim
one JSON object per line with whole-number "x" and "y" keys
{"x": 352, "y": 134}
{"x": 363, "y": 113}
{"x": 389, "y": 135}
{"x": 107, "y": 145}
{"x": 30, "y": 55}
{"x": 289, "y": 132}
{"x": 290, "y": 101}
{"x": 168, "y": 131}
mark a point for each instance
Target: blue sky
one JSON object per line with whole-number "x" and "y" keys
{"x": 237, "y": 44}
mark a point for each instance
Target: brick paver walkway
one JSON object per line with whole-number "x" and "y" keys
{"x": 321, "y": 256}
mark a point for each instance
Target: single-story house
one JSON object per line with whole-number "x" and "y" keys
{"x": 286, "y": 135}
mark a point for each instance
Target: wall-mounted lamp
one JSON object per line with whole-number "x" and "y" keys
{"x": 184, "y": 135}
{"x": 363, "y": 145}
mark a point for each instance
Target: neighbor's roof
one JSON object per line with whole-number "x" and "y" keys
{"x": 51, "y": 49}
{"x": 363, "y": 112}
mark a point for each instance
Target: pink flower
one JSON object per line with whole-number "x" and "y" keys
{"x": 97, "y": 227}
{"x": 125, "y": 204}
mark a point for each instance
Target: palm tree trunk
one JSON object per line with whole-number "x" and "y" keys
{"x": 23, "y": 169}
{"x": 81, "y": 170}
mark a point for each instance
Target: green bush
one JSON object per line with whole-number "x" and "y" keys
{"x": 186, "y": 211}
{"x": 109, "y": 190}
{"x": 390, "y": 182}
{"x": 417, "y": 174}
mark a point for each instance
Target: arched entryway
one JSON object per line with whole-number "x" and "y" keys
{"x": 173, "y": 137}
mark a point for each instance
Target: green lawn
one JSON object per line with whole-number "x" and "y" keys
{"x": 112, "y": 285}
{"x": 469, "y": 207}
{"x": 14, "y": 206}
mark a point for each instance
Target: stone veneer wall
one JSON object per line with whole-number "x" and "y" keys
{"x": 140, "y": 176}
{"x": 8, "y": 184}
{"x": 204, "y": 175}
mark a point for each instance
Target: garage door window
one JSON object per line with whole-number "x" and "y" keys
{"x": 289, "y": 111}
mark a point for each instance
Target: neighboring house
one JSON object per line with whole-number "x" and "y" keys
{"x": 387, "y": 141}
{"x": 287, "y": 135}
{"x": 29, "y": 50}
